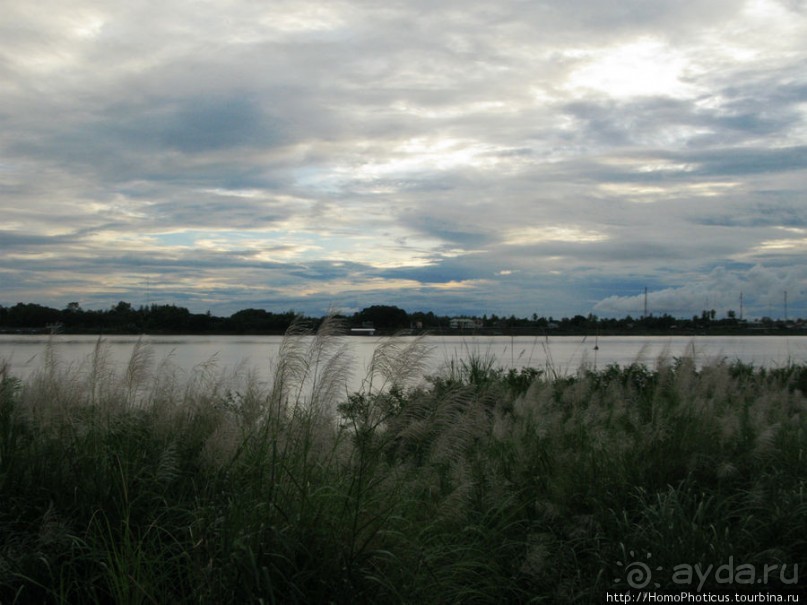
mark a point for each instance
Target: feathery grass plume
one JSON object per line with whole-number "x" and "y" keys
{"x": 206, "y": 386}
{"x": 296, "y": 375}
{"x": 374, "y": 412}
{"x": 538, "y": 555}
{"x": 204, "y": 419}
{"x": 329, "y": 364}
{"x": 457, "y": 426}
{"x": 138, "y": 370}
{"x": 456, "y": 487}
{"x": 98, "y": 372}
{"x": 726, "y": 470}
{"x": 310, "y": 374}
{"x": 431, "y": 424}
{"x": 168, "y": 465}
{"x": 231, "y": 415}
{"x": 290, "y": 368}
{"x": 168, "y": 393}
{"x": 397, "y": 362}
{"x": 42, "y": 387}
{"x": 54, "y": 392}
{"x": 10, "y": 388}
{"x": 50, "y": 358}
{"x": 248, "y": 399}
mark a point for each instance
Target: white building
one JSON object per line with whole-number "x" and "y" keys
{"x": 464, "y": 323}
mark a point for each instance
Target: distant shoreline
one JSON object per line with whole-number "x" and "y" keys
{"x": 479, "y": 332}
{"x": 376, "y": 320}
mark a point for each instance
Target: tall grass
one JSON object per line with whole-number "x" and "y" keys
{"x": 478, "y": 485}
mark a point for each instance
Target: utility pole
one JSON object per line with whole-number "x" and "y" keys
{"x": 785, "y": 305}
{"x": 741, "y": 305}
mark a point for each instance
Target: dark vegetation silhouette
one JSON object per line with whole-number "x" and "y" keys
{"x": 124, "y": 318}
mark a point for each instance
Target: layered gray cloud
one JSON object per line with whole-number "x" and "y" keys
{"x": 513, "y": 157}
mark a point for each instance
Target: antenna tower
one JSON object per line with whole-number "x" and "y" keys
{"x": 645, "y": 302}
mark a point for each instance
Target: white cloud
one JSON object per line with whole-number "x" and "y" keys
{"x": 644, "y": 67}
{"x": 404, "y": 151}
{"x": 552, "y": 233}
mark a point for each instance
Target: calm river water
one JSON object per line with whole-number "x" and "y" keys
{"x": 564, "y": 354}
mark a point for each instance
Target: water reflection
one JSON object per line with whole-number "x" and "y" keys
{"x": 561, "y": 354}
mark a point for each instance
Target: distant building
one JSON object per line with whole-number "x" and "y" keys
{"x": 465, "y": 323}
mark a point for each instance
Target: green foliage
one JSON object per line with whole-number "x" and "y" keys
{"x": 477, "y": 485}
{"x": 383, "y": 317}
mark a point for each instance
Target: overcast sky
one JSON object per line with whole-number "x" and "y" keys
{"x": 464, "y": 157}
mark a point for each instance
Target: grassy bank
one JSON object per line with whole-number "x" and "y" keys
{"x": 144, "y": 485}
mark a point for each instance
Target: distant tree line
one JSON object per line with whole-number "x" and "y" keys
{"x": 123, "y": 318}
